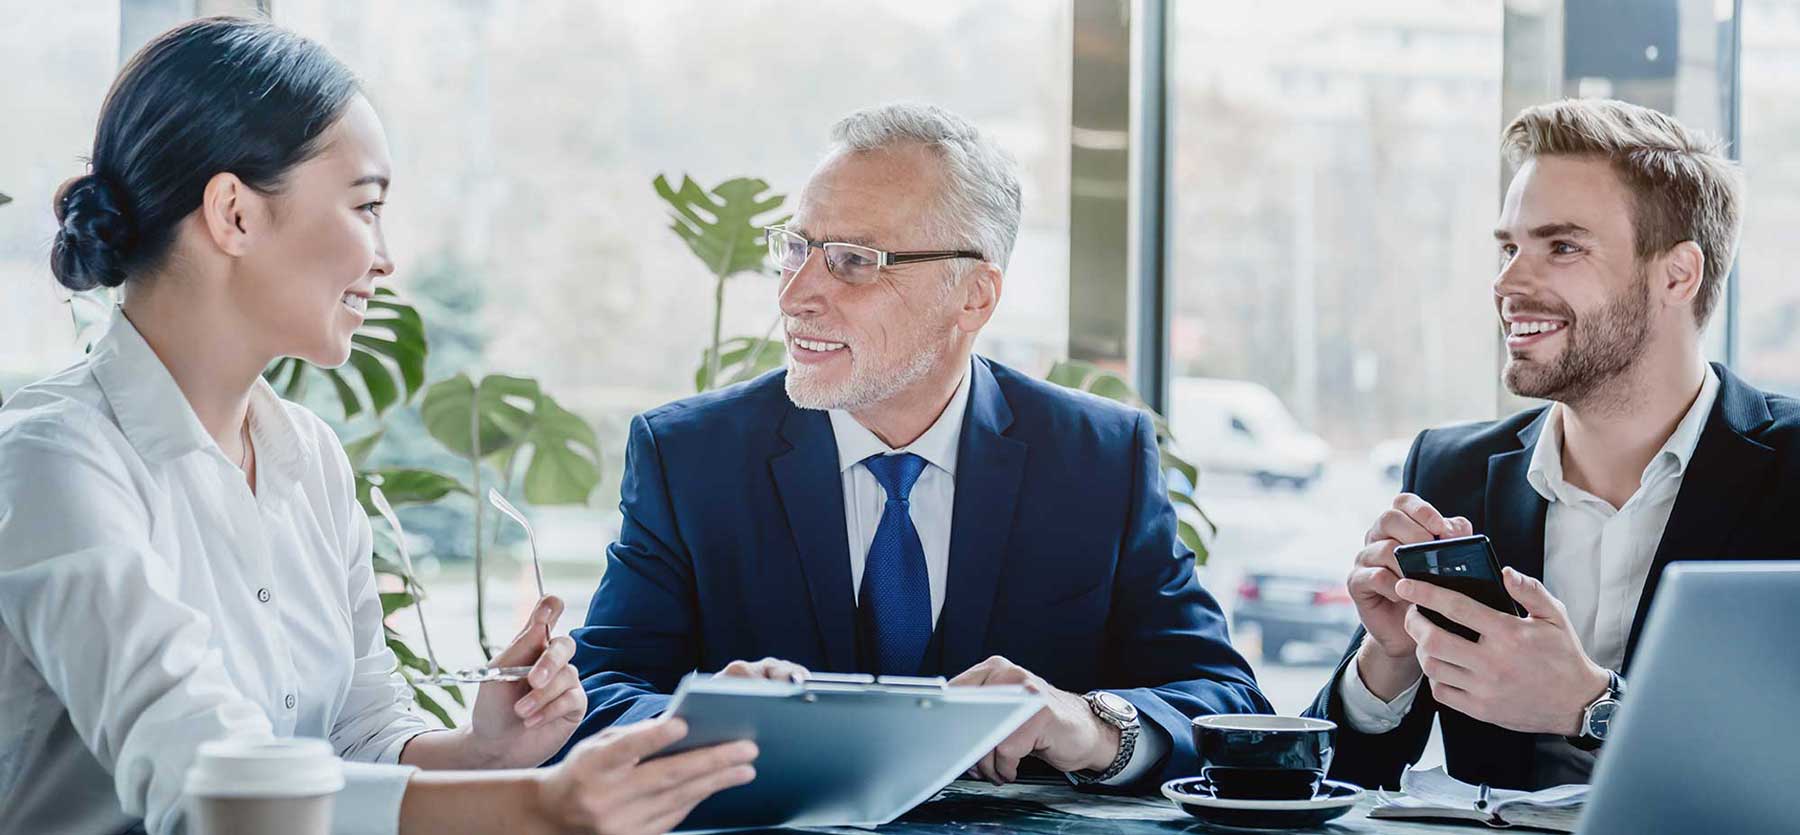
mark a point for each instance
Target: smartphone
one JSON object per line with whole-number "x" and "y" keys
{"x": 1466, "y": 565}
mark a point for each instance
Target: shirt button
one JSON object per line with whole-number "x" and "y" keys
{"x": 289, "y": 701}
{"x": 263, "y": 595}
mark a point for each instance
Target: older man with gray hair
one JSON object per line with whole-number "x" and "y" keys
{"x": 892, "y": 503}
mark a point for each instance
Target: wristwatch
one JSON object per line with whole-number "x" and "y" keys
{"x": 1114, "y": 710}
{"x": 1596, "y": 720}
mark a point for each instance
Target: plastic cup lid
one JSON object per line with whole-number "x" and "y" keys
{"x": 263, "y": 767}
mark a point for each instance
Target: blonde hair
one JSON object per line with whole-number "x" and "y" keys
{"x": 1683, "y": 187}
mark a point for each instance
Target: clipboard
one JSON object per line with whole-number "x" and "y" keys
{"x": 841, "y": 750}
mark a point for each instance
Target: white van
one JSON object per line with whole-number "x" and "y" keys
{"x": 1236, "y": 426}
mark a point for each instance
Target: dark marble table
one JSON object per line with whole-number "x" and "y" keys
{"x": 1049, "y": 809}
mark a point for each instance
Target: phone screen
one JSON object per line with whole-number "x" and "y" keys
{"x": 1465, "y": 565}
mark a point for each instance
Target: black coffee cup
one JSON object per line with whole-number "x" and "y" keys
{"x": 1262, "y": 757}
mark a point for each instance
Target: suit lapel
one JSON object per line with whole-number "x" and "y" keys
{"x": 1514, "y": 510}
{"x": 1514, "y": 521}
{"x": 1724, "y": 475}
{"x": 989, "y": 471}
{"x": 812, "y": 494}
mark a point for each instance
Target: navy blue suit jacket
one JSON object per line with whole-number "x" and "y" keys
{"x": 1063, "y": 556}
{"x": 1737, "y": 501}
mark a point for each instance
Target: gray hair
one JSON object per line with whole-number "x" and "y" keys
{"x": 980, "y": 204}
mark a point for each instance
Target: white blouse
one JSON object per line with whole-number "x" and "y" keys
{"x": 149, "y": 601}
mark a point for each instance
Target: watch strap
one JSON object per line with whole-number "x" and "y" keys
{"x": 1128, "y": 737}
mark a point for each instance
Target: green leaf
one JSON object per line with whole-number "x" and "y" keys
{"x": 565, "y": 457}
{"x": 4, "y": 199}
{"x": 517, "y": 418}
{"x": 393, "y": 601}
{"x": 1191, "y": 538}
{"x": 504, "y": 405}
{"x": 431, "y": 706}
{"x": 740, "y": 359}
{"x": 387, "y": 355}
{"x": 406, "y": 485}
{"x": 1173, "y": 461}
{"x": 454, "y": 692}
{"x": 724, "y": 226}
{"x": 1072, "y": 374}
{"x": 360, "y": 449}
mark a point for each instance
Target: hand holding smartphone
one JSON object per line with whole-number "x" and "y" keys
{"x": 1466, "y": 565}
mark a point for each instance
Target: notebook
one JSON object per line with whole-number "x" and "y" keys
{"x": 1432, "y": 793}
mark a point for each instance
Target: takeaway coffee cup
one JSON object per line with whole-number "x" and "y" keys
{"x": 1260, "y": 757}
{"x": 270, "y": 786}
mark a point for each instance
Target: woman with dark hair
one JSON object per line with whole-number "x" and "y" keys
{"x": 182, "y": 555}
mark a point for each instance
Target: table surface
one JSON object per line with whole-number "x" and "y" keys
{"x": 1051, "y": 809}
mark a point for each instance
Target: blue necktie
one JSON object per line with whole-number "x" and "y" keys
{"x": 895, "y": 598}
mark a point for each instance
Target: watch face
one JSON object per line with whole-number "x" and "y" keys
{"x": 1116, "y": 705}
{"x": 1600, "y": 718}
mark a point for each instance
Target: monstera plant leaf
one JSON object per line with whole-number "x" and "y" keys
{"x": 511, "y": 417}
{"x": 722, "y": 226}
{"x": 387, "y": 357}
{"x": 406, "y": 486}
{"x": 1093, "y": 379}
{"x": 739, "y": 359}
{"x": 4, "y": 199}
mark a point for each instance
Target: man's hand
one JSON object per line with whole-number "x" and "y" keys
{"x": 773, "y": 669}
{"x": 1386, "y": 661}
{"x": 1065, "y": 733}
{"x": 1526, "y": 674}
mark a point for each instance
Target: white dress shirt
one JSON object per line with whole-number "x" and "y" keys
{"x": 1596, "y": 561}
{"x": 931, "y": 504}
{"x": 149, "y": 601}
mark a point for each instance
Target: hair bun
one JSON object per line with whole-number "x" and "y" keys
{"x": 97, "y": 232}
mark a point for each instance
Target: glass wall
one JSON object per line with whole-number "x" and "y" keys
{"x": 1768, "y": 304}
{"x": 57, "y": 60}
{"x": 526, "y": 135}
{"x": 1335, "y": 182}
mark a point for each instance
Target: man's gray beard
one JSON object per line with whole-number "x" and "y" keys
{"x": 865, "y": 387}
{"x": 1601, "y": 348}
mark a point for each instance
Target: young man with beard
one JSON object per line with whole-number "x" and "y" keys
{"x": 1615, "y": 239}
{"x": 893, "y": 504}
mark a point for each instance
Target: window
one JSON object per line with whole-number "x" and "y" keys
{"x": 1768, "y": 307}
{"x": 58, "y": 59}
{"x": 1335, "y": 177}
{"x": 525, "y": 138}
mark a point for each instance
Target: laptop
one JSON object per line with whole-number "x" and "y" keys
{"x": 1708, "y": 736}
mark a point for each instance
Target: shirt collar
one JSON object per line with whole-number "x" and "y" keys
{"x": 156, "y": 418}
{"x": 1545, "y": 473}
{"x": 937, "y": 446}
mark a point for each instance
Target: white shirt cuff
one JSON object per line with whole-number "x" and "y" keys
{"x": 369, "y": 803}
{"x": 1366, "y": 711}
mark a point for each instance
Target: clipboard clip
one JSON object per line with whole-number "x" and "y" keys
{"x": 847, "y": 682}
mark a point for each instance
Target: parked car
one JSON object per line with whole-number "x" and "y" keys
{"x": 1389, "y": 457}
{"x": 1289, "y": 606}
{"x": 1237, "y": 426}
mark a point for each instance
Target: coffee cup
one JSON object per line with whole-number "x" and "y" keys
{"x": 272, "y": 786}
{"x": 1263, "y": 757}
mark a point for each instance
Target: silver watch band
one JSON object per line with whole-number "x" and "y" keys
{"x": 1128, "y": 737}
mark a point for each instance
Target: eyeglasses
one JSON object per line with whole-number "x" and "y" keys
{"x": 437, "y": 674}
{"x": 850, "y": 263}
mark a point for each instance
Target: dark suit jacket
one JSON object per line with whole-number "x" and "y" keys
{"x": 1063, "y": 556}
{"x": 1738, "y": 500}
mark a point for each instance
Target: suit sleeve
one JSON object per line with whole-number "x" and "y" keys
{"x": 639, "y": 638}
{"x": 1168, "y": 641}
{"x": 1376, "y": 760}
